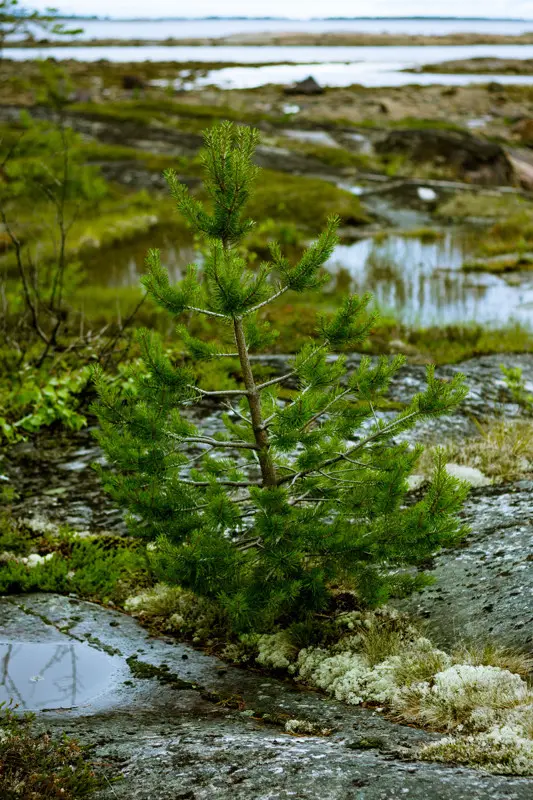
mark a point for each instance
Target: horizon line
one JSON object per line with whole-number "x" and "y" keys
{"x": 240, "y": 18}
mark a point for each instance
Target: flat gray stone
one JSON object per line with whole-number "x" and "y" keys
{"x": 483, "y": 590}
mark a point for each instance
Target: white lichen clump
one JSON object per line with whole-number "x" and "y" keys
{"x": 504, "y": 750}
{"x": 35, "y": 560}
{"x": 463, "y": 697}
{"x": 161, "y": 600}
{"x": 380, "y": 658}
{"x": 275, "y": 651}
{"x": 348, "y": 676}
{"x": 176, "y": 610}
{"x": 343, "y": 675}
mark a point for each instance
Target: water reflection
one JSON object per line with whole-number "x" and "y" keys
{"x": 421, "y": 281}
{"x": 52, "y": 675}
{"x": 124, "y": 266}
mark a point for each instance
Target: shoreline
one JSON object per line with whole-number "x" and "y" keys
{"x": 288, "y": 40}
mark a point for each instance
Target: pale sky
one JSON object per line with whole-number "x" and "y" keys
{"x": 293, "y": 8}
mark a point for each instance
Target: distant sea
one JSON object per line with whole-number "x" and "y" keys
{"x": 330, "y": 65}
{"x": 214, "y": 28}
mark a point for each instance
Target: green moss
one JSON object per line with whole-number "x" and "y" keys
{"x": 416, "y": 123}
{"x": 425, "y": 235}
{"x": 142, "y": 670}
{"x": 477, "y": 204}
{"x": 426, "y": 124}
{"x": 100, "y": 152}
{"x": 190, "y": 117}
{"x": 14, "y": 537}
{"x": 100, "y": 568}
{"x": 122, "y": 218}
{"x": 368, "y": 743}
{"x": 455, "y": 343}
{"x": 499, "y": 265}
{"x": 306, "y": 202}
{"x": 335, "y": 157}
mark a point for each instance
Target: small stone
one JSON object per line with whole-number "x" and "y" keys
{"x": 415, "y": 482}
{"x": 426, "y": 194}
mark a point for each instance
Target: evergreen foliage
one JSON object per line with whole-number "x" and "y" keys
{"x": 295, "y": 497}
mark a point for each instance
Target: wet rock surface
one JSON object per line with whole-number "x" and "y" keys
{"x": 483, "y": 590}
{"x": 474, "y": 158}
{"x": 194, "y": 736}
{"x": 199, "y": 728}
{"x": 56, "y": 484}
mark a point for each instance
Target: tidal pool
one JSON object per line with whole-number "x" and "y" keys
{"x": 420, "y": 281}
{"x": 52, "y": 675}
{"x": 330, "y": 65}
{"x": 423, "y": 282}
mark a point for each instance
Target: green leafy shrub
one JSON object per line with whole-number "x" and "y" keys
{"x": 35, "y": 399}
{"x": 517, "y": 387}
{"x": 292, "y": 497}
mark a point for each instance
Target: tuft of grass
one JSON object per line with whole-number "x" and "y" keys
{"x": 490, "y": 654}
{"x": 419, "y": 663}
{"x": 502, "y": 450}
{"x": 382, "y": 637}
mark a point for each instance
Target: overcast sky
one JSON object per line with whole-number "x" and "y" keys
{"x": 293, "y": 8}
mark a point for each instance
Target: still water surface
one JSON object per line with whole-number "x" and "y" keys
{"x": 331, "y": 66}
{"x": 211, "y": 28}
{"x": 421, "y": 282}
{"x": 52, "y": 675}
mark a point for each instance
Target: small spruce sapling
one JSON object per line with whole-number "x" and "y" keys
{"x": 293, "y": 498}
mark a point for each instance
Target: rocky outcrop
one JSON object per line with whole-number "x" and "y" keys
{"x": 186, "y": 726}
{"x": 483, "y": 590}
{"x": 473, "y": 159}
{"x": 309, "y": 86}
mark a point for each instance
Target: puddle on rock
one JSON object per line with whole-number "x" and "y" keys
{"x": 39, "y": 676}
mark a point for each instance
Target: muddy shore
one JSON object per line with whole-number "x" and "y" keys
{"x": 292, "y": 39}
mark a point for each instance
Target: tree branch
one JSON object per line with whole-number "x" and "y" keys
{"x": 326, "y": 408}
{"x": 206, "y": 312}
{"x": 288, "y": 375}
{"x": 221, "y": 393}
{"x": 265, "y": 302}
{"x": 243, "y": 484}
{"x": 217, "y": 443}
{"x": 359, "y": 446}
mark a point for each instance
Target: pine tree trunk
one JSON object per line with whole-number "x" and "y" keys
{"x": 268, "y": 471}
